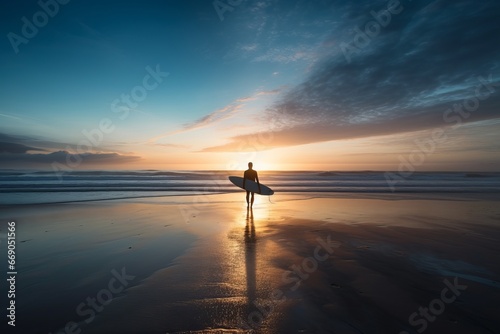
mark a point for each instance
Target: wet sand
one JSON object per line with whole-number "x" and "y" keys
{"x": 300, "y": 265}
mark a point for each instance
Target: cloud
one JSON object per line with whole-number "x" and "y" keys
{"x": 428, "y": 59}
{"x": 12, "y": 117}
{"x": 250, "y": 47}
{"x": 28, "y": 142}
{"x": 286, "y": 55}
{"x": 6, "y": 147}
{"x": 218, "y": 115}
{"x": 228, "y": 111}
{"x": 282, "y": 32}
{"x": 224, "y": 113}
{"x": 172, "y": 145}
{"x": 35, "y": 160}
{"x": 13, "y": 154}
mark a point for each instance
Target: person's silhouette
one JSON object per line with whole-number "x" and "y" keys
{"x": 250, "y": 174}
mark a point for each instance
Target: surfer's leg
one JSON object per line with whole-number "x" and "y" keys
{"x": 252, "y": 199}
{"x": 248, "y": 194}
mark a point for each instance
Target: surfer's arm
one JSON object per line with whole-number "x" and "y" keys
{"x": 258, "y": 183}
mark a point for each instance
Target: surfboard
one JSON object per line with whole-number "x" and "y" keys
{"x": 251, "y": 186}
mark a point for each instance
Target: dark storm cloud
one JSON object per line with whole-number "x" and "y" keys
{"x": 431, "y": 56}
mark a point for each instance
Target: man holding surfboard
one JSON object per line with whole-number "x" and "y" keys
{"x": 251, "y": 174}
{"x": 249, "y": 184}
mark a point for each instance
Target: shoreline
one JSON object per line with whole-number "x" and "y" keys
{"x": 390, "y": 196}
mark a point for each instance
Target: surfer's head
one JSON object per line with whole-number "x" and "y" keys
{"x": 250, "y": 165}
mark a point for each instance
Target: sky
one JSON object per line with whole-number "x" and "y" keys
{"x": 290, "y": 85}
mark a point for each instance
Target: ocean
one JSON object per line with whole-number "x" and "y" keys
{"x": 37, "y": 187}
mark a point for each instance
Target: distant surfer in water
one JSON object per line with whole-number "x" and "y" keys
{"x": 251, "y": 175}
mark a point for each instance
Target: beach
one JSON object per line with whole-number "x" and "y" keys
{"x": 302, "y": 263}
{"x": 133, "y": 136}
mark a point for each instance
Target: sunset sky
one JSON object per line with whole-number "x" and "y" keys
{"x": 322, "y": 85}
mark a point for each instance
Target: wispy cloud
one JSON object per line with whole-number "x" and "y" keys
{"x": 286, "y": 55}
{"x": 415, "y": 70}
{"x": 10, "y": 116}
{"x": 172, "y": 145}
{"x": 219, "y": 115}
{"x": 283, "y": 32}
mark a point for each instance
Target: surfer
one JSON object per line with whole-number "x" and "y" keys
{"x": 250, "y": 174}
